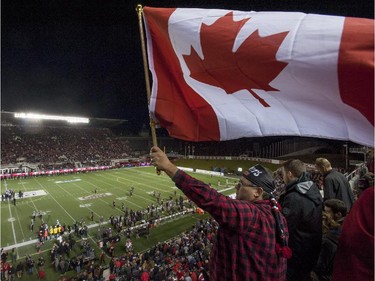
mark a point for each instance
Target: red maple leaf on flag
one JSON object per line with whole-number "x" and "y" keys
{"x": 252, "y": 66}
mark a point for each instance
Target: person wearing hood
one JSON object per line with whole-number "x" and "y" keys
{"x": 251, "y": 242}
{"x": 302, "y": 206}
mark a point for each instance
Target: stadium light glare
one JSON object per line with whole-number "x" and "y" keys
{"x": 36, "y": 116}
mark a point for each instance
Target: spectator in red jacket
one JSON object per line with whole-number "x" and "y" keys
{"x": 354, "y": 258}
{"x": 145, "y": 276}
{"x": 248, "y": 240}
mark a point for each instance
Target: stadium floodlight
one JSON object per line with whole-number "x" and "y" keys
{"x": 36, "y": 116}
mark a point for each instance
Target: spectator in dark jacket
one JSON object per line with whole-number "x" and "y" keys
{"x": 20, "y": 269}
{"x": 333, "y": 217}
{"x": 302, "y": 207}
{"x": 370, "y": 161}
{"x": 335, "y": 184}
{"x": 11, "y": 272}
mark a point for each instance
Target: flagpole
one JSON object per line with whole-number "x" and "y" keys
{"x": 139, "y": 10}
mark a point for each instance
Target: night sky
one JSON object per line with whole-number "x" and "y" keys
{"x": 83, "y": 58}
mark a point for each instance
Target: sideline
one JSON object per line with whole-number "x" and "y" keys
{"x": 34, "y": 241}
{"x": 11, "y": 216}
{"x": 173, "y": 216}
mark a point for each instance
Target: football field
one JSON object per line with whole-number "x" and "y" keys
{"x": 70, "y": 198}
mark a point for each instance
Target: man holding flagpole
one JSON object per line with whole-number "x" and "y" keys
{"x": 251, "y": 242}
{"x": 220, "y": 75}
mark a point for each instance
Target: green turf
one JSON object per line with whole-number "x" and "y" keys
{"x": 62, "y": 203}
{"x": 62, "y": 199}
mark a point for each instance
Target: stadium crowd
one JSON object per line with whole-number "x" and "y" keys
{"x": 49, "y": 145}
{"x": 182, "y": 258}
{"x": 186, "y": 255}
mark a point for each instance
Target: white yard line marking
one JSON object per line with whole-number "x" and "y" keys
{"x": 19, "y": 223}
{"x": 11, "y": 222}
{"x": 89, "y": 193}
{"x": 11, "y": 216}
{"x": 54, "y": 199}
{"x": 97, "y": 187}
{"x": 32, "y": 201}
{"x": 141, "y": 207}
{"x": 225, "y": 189}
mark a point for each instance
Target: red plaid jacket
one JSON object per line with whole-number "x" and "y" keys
{"x": 245, "y": 245}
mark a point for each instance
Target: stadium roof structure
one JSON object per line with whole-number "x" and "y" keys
{"x": 107, "y": 122}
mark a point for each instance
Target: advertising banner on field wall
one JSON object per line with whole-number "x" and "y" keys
{"x": 199, "y": 171}
{"x": 264, "y": 160}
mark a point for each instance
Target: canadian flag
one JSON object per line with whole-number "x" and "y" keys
{"x": 221, "y": 75}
